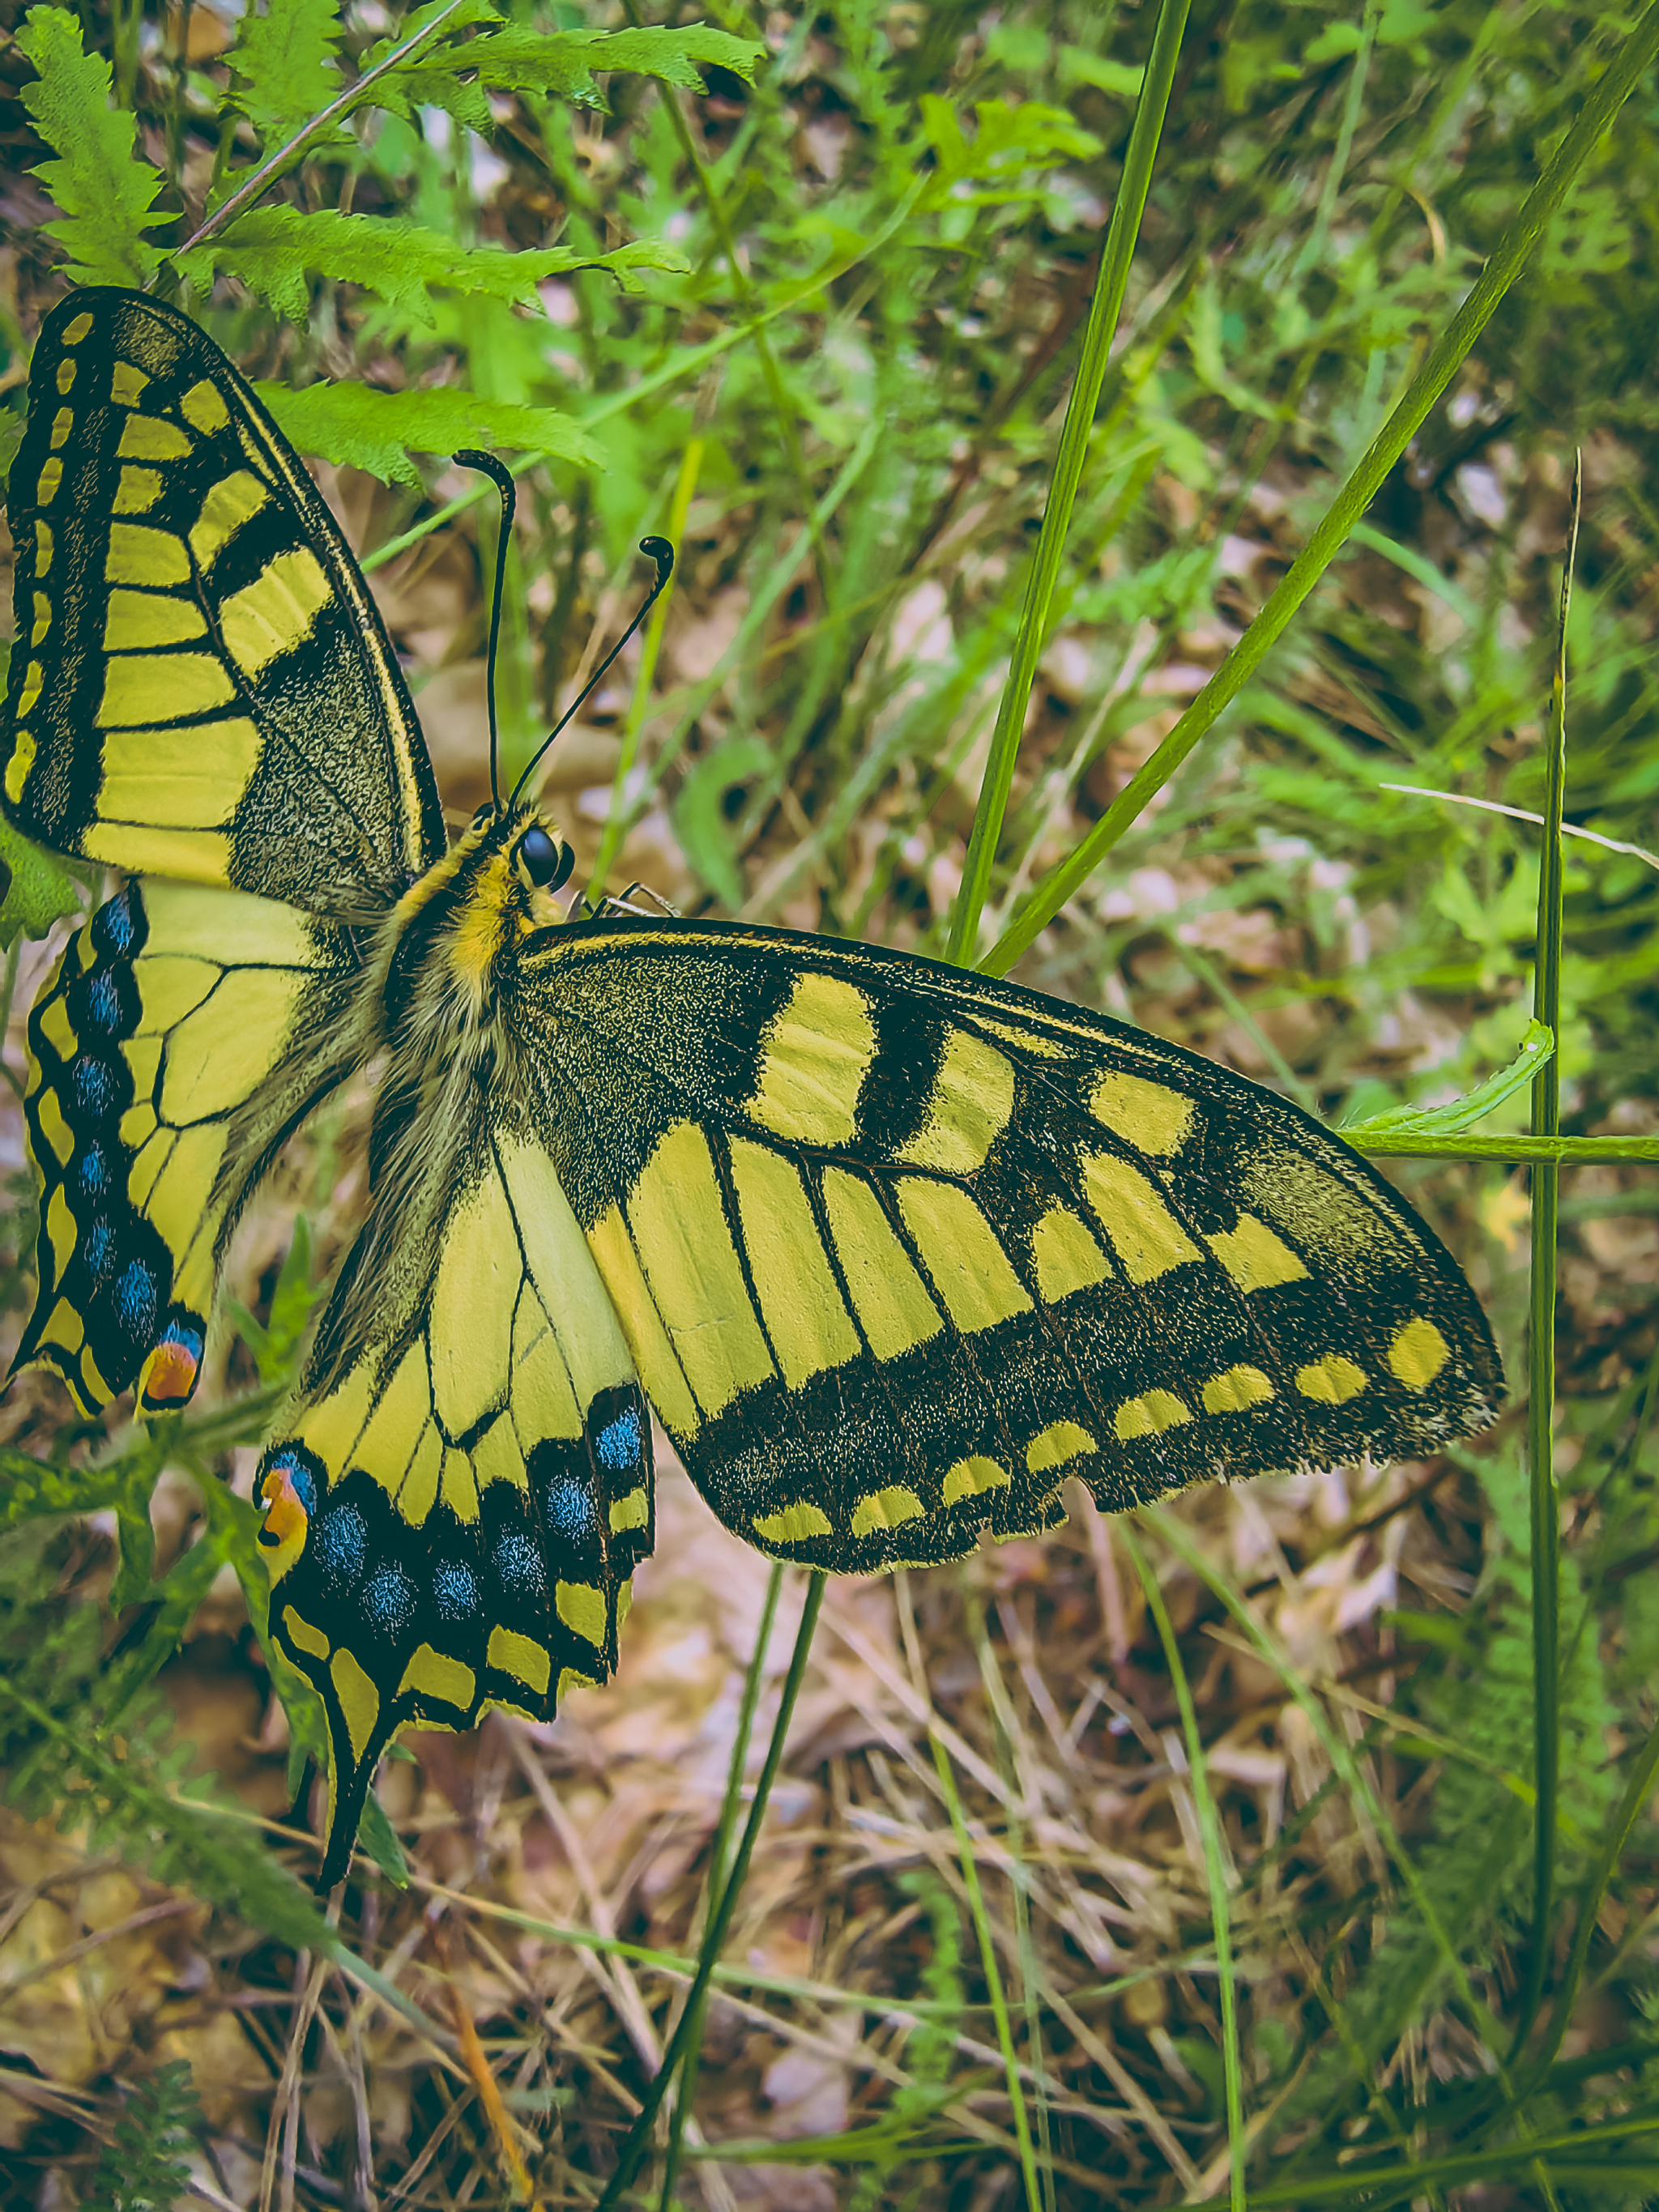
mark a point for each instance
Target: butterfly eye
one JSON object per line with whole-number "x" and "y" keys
{"x": 562, "y": 873}
{"x": 542, "y": 861}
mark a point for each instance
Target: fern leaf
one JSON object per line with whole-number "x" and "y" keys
{"x": 429, "y": 79}
{"x": 288, "y": 60}
{"x": 564, "y": 63}
{"x": 378, "y": 430}
{"x": 272, "y": 249}
{"x": 104, "y": 186}
{"x": 145, "y": 2167}
{"x": 67, "y": 1759}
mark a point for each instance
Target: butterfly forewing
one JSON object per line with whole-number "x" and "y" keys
{"x": 897, "y": 1250}
{"x": 201, "y": 687}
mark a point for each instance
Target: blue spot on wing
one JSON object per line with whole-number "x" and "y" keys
{"x": 389, "y": 1599}
{"x": 95, "y": 1252}
{"x": 135, "y": 1302}
{"x": 340, "y": 1541}
{"x": 455, "y": 1590}
{"x": 94, "y": 1170}
{"x": 94, "y": 1087}
{"x": 113, "y": 924}
{"x": 617, "y": 1446}
{"x": 569, "y": 1509}
{"x": 518, "y": 1564}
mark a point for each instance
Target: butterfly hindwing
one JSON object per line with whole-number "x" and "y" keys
{"x": 169, "y": 1052}
{"x": 453, "y": 1517}
{"x": 897, "y": 1248}
{"x": 201, "y": 687}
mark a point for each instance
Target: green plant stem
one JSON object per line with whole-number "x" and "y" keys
{"x": 1047, "y": 898}
{"x": 1111, "y": 281}
{"x": 1546, "y": 1512}
{"x": 1215, "y": 1865}
{"x": 987, "y": 1953}
{"x": 1563, "y": 1152}
{"x": 1638, "y": 1791}
{"x": 285, "y": 157}
{"x": 639, "y": 2136}
{"x": 717, "y": 1851}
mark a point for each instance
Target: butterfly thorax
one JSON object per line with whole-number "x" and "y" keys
{"x": 434, "y": 1007}
{"x": 448, "y": 949}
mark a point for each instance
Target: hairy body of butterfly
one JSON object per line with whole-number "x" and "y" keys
{"x": 892, "y": 1250}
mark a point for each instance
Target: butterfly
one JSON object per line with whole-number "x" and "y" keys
{"x": 891, "y": 1249}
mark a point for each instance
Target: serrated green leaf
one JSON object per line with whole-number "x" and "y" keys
{"x": 1457, "y": 1115}
{"x": 271, "y": 250}
{"x": 34, "y": 1490}
{"x": 378, "y": 430}
{"x": 429, "y": 79}
{"x": 565, "y": 62}
{"x": 104, "y": 186}
{"x": 36, "y": 888}
{"x": 287, "y": 63}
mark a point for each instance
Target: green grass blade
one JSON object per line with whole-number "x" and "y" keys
{"x": 987, "y": 1952}
{"x": 1337, "y": 1750}
{"x": 1215, "y": 1864}
{"x": 1632, "y": 58}
{"x": 1110, "y": 281}
{"x": 1540, "y": 1338}
{"x": 639, "y": 2136}
{"x": 717, "y": 1856}
{"x": 1638, "y": 1791}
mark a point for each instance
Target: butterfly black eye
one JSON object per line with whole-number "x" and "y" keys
{"x": 562, "y": 873}
{"x": 541, "y": 859}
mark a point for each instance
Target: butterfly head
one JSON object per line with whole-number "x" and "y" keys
{"x": 457, "y": 930}
{"x": 542, "y": 861}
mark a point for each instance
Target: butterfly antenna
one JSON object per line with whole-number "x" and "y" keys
{"x": 490, "y": 466}
{"x": 662, "y": 553}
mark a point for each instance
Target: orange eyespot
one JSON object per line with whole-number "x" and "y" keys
{"x": 287, "y": 1491}
{"x": 169, "y": 1377}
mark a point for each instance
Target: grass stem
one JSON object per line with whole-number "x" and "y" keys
{"x": 718, "y": 1850}
{"x": 1633, "y": 57}
{"x": 1545, "y": 1511}
{"x": 1215, "y": 1864}
{"x": 1110, "y": 281}
{"x": 639, "y": 2136}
